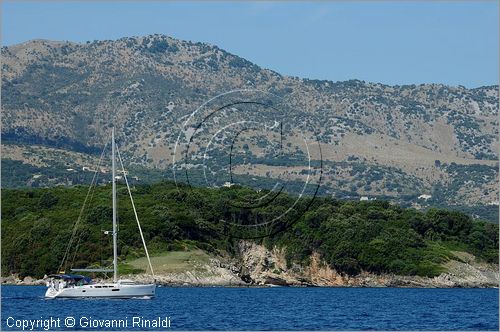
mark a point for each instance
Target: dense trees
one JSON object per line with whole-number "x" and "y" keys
{"x": 349, "y": 236}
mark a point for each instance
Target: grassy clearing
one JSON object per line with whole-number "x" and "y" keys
{"x": 173, "y": 261}
{"x": 463, "y": 257}
{"x": 124, "y": 268}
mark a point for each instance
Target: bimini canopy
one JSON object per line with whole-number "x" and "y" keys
{"x": 75, "y": 277}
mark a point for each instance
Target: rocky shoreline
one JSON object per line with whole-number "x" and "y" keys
{"x": 362, "y": 280}
{"x": 257, "y": 266}
{"x": 14, "y": 279}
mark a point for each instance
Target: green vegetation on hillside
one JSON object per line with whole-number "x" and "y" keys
{"x": 16, "y": 174}
{"x": 350, "y": 236}
{"x": 71, "y": 109}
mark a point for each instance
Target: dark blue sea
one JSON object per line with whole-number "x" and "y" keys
{"x": 260, "y": 309}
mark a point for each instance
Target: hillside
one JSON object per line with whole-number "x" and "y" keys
{"x": 387, "y": 142}
{"x": 337, "y": 238}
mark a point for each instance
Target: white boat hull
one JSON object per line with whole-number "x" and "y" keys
{"x": 64, "y": 285}
{"x": 111, "y": 290}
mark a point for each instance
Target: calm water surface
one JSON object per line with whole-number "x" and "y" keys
{"x": 272, "y": 308}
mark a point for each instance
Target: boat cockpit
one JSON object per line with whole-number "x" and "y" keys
{"x": 60, "y": 281}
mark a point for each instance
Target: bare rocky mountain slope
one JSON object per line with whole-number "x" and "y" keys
{"x": 397, "y": 142}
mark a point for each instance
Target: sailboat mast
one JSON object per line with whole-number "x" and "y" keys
{"x": 115, "y": 249}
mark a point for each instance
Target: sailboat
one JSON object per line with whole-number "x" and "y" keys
{"x": 64, "y": 285}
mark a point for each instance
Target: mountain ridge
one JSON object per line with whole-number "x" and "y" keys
{"x": 81, "y": 43}
{"x": 64, "y": 94}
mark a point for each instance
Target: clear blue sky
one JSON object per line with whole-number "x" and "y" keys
{"x": 391, "y": 42}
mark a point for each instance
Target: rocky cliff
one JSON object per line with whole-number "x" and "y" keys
{"x": 262, "y": 266}
{"x": 258, "y": 266}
